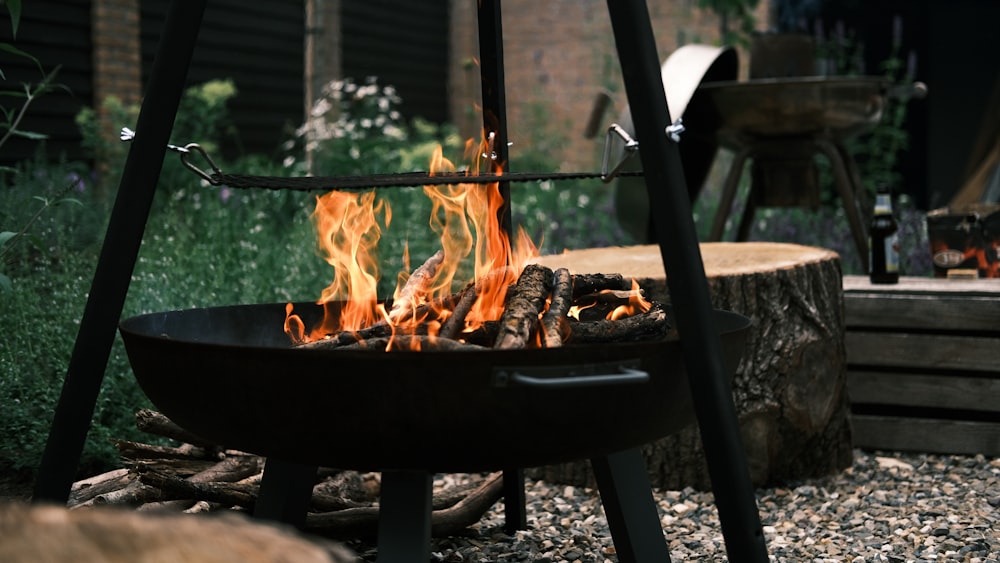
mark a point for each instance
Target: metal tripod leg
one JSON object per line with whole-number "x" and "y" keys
{"x": 71, "y": 421}
{"x": 674, "y": 227}
{"x": 630, "y": 508}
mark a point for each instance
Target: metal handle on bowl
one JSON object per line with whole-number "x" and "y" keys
{"x": 515, "y": 377}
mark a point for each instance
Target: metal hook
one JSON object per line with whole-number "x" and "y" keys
{"x": 674, "y": 131}
{"x": 185, "y": 152}
{"x": 192, "y": 148}
{"x": 631, "y": 147}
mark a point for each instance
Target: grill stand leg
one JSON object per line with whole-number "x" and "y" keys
{"x": 285, "y": 491}
{"x": 404, "y": 518}
{"x": 711, "y": 391}
{"x": 629, "y": 507}
{"x": 514, "y": 513}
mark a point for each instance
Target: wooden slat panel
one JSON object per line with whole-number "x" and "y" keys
{"x": 930, "y": 351}
{"x": 922, "y": 312}
{"x": 926, "y": 435}
{"x": 921, "y": 285}
{"x": 920, "y": 390}
{"x": 923, "y": 304}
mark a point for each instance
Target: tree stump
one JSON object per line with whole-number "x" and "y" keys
{"x": 790, "y": 387}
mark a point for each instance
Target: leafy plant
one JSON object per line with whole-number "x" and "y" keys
{"x": 878, "y": 153}
{"x": 204, "y": 245}
{"x": 11, "y": 118}
{"x": 736, "y": 19}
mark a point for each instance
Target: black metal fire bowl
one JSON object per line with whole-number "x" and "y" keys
{"x": 230, "y": 375}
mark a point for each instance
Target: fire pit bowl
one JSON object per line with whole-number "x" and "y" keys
{"x": 229, "y": 375}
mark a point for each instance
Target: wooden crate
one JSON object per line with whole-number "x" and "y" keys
{"x": 923, "y": 364}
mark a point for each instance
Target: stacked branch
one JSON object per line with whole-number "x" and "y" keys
{"x": 542, "y": 309}
{"x": 205, "y": 478}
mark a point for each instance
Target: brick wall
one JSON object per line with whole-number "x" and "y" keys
{"x": 117, "y": 61}
{"x": 116, "y": 55}
{"x": 558, "y": 55}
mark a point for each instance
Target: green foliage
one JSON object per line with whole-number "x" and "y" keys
{"x": 203, "y": 246}
{"x": 10, "y": 126}
{"x": 14, "y": 9}
{"x": 40, "y": 317}
{"x": 736, "y": 19}
{"x": 202, "y": 117}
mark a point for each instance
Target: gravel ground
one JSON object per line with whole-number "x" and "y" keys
{"x": 887, "y": 507}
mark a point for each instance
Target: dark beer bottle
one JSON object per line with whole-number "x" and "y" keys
{"x": 883, "y": 241}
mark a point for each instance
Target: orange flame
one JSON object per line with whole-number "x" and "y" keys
{"x": 465, "y": 217}
{"x": 636, "y": 304}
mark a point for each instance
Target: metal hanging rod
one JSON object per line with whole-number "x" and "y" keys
{"x": 217, "y": 177}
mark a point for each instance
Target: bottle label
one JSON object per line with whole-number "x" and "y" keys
{"x": 892, "y": 253}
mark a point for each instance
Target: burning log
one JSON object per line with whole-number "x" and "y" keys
{"x": 554, "y": 320}
{"x": 643, "y": 326}
{"x": 348, "y": 337}
{"x": 595, "y": 306}
{"x": 527, "y": 300}
{"x": 584, "y": 284}
{"x": 412, "y": 342}
{"x": 453, "y": 325}
{"x": 416, "y": 285}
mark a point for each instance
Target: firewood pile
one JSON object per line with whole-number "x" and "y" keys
{"x": 544, "y": 308}
{"x": 197, "y": 476}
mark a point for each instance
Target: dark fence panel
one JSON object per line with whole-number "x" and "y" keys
{"x": 403, "y": 43}
{"x": 56, "y": 33}
{"x": 259, "y": 45}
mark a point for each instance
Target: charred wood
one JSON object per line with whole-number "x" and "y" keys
{"x": 584, "y": 284}
{"x": 650, "y": 325}
{"x": 596, "y": 306}
{"x": 526, "y": 301}
{"x": 454, "y": 324}
{"x": 348, "y": 337}
{"x": 554, "y": 322}
{"x": 411, "y": 342}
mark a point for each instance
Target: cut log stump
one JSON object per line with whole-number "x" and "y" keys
{"x": 790, "y": 387}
